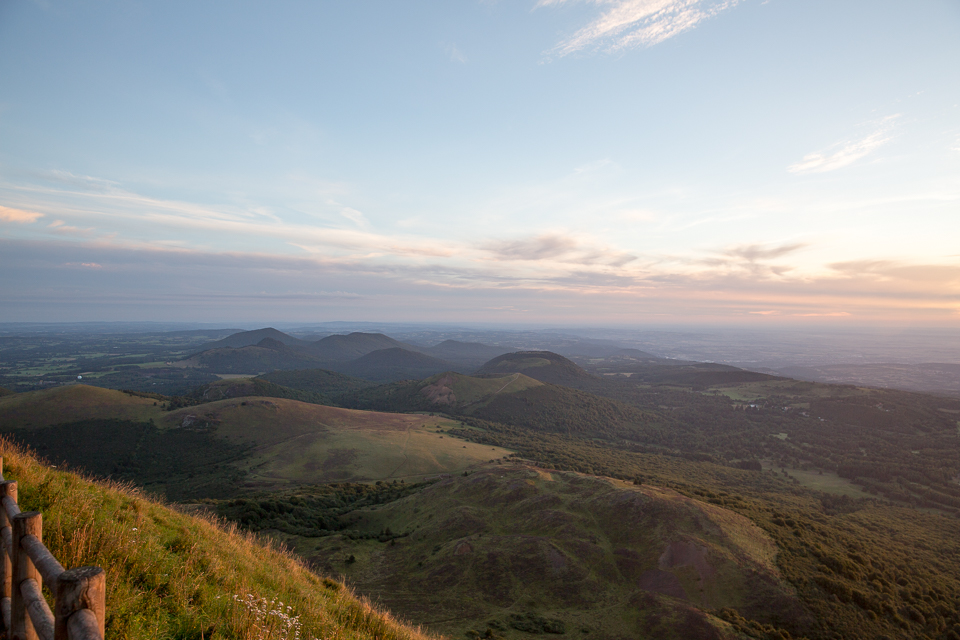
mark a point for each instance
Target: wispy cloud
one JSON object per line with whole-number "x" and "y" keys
{"x": 8, "y": 214}
{"x": 558, "y": 248}
{"x": 111, "y": 206}
{"x": 249, "y": 248}
{"x": 637, "y": 23}
{"x": 453, "y": 52}
{"x": 946, "y": 276}
{"x": 847, "y": 152}
{"x": 356, "y": 217}
{"x": 756, "y": 260}
{"x": 757, "y": 252}
{"x": 62, "y": 228}
{"x": 538, "y": 248}
{"x": 91, "y": 277}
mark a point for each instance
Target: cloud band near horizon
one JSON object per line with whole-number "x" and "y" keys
{"x": 66, "y": 281}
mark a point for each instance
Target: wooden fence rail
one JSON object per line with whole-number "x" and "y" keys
{"x": 79, "y": 595}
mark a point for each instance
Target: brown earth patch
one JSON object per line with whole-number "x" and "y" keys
{"x": 687, "y": 554}
{"x": 440, "y": 392}
{"x": 663, "y": 582}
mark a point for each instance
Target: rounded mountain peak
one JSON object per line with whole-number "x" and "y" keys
{"x": 545, "y": 366}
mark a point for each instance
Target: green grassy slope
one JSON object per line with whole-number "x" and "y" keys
{"x": 462, "y": 392}
{"x": 863, "y": 569}
{"x": 545, "y": 366}
{"x": 231, "y": 446}
{"x": 512, "y": 544}
{"x": 73, "y": 402}
{"x": 295, "y": 442}
{"x": 514, "y": 399}
{"x": 171, "y": 575}
{"x": 327, "y": 383}
{"x": 245, "y": 387}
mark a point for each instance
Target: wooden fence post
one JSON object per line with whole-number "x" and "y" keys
{"x": 79, "y": 589}
{"x": 8, "y": 489}
{"x": 24, "y": 524}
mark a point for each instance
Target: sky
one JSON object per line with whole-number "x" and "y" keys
{"x": 623, "y": 162}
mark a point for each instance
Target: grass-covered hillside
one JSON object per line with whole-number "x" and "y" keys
{"x": 176, "y": 576}
{"x": 320, "y": 381}
{"x": 295, "y": 442}
{"x": 232, "y": 446}
{"x": 545, "y": 366}
{"x": 514, "y": 399}
{"x": 511, "y": 551}
{"x": 245, "y": 387}
{"x": 35, "y": 409}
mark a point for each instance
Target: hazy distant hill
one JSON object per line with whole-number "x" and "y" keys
{"x": 275, "y": 350}
{"x": 700, "y": 374}
{"x": 514, "y": 399}
{"x": 215, "y": 334}
{"x": 250, "y": 338}
{"x": 469, "y": 353}
{"x": 394, "y": 364}
{"x": 598, "y": 349}
{"x": 544, "y": 366}
{"x": 267, "y": 350}
{"x": 344, "y": 348}
{"x": 266, "y": 355}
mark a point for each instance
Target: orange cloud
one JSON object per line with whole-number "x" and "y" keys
{"x": 8, "y": 214}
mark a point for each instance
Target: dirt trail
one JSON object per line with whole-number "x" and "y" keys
{"x": 405, "y": 440}
{"x": 516, "y": 376}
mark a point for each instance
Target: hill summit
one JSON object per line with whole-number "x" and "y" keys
{"x": 343, "y": 348}
{"x": 251, "y": 338}
{"x": 544, "y": 366}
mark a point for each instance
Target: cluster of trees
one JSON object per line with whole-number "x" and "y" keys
{"x": 317, "y": 511}
{"x": 182, "y": 464}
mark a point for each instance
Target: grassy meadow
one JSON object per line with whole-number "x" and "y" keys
{"x": 293, "y": 442}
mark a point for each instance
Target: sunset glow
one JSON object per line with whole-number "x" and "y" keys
{"x": 764, "y": 162}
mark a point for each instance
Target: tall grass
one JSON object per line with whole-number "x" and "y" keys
{"x": 177, "y": 576}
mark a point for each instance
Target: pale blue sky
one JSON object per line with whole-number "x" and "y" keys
{"x": 605, "y": 161}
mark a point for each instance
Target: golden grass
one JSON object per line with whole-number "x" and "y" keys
{"x": 73, "y": 402}
{"x": 172, "y": 575}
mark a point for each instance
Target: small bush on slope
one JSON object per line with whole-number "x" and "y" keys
{"x": 171, "y": 575}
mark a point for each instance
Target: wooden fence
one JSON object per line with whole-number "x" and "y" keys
{"x": 79, "y": 594}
